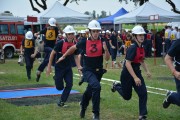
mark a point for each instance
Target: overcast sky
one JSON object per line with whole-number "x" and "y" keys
{"x": 23, "y": 8}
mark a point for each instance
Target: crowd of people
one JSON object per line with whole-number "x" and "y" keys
{"x": 88, "y": 48}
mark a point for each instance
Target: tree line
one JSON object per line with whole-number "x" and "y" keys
{"x": 43, "y": 5}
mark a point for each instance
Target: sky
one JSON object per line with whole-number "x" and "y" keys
{"x": 22, "y": 8}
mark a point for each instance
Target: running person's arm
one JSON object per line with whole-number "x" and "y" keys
{"x": 50, "y": 62}
{"x": 77, "y": 60}
{"x": 144, "y": 65}
{"x": 36, "y": 48}
{"x": 106, "y": 52}
{"x": 110, "y": 42}
{"x": 169, "y": 62}
{"x": 70, "y": 51}
{"x": 131, "y": 71}
{"x": 21, "y": 49}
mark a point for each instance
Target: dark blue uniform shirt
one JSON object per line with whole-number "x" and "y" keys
{"x": 174, "y": 52}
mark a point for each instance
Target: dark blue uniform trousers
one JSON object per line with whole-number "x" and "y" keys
{"x": 125, "y": 89}
{"x": 29, "y": 64}
{"x": 64, "y": 75}
{"x": 174, "y": 98}
{"x": 167, "y": 44}
{"x": 92, "y": 91}
{"x": 148, "y": 50}
{"x": 47, "y": 51}
{"x": 113, "y": 54}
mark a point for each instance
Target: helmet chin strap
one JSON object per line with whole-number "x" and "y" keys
{"x": 137, "y": 40}
{"x": 68, "y": 38}
{"x": 91, "y": 34}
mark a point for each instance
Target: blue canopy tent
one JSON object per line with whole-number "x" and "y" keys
{"x": 108, "y": 22}
{"x": 110, "y": 19}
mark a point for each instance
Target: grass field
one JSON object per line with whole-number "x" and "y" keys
{"x": 113, "y": 107}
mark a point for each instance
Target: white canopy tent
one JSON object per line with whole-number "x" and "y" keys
{"x": 148, "y": 13}
{"x": 62, "y": 14}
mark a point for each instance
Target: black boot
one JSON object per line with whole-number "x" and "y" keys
{"x": 113, "y": 88}
{"x": 82, "y": 110}
{"x": 29, "y": 74}
{"x": 82, "y": 113}
{"x": 143, "y": 117}
{"x": 61, "y": 104}
{"x": 38, "y": 75}
{"x": 96, "y": 116}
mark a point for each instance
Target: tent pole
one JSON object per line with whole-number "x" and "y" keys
{"x": 154, "y": 44}
{"x": 114, "y": 27}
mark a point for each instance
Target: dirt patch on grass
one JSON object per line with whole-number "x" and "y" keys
{"x": 42, "y": 100}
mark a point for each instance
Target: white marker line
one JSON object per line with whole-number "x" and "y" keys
{"x": 159, "y": 88}
{"x": 147, "y": 91}
{"x": 111, "y": 80}
{"x": 156, "y": 93}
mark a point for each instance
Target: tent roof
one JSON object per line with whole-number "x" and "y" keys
{"x": 110, "y": 19}
{"x": 143, "y": 13}
{"x": 63, "y": 14}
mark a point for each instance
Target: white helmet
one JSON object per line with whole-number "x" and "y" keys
{"x": 107, "y": 31}
{"x": 179, "y": 28}
{"x": 83, "y": 31}
{"x": 64, "y": 35}
{"x": 86, "y": 30}
{"x": 29, "y": 35}
{"x": 169, "y": 24}
{"x": 173, "y": 26}
{"x": 52, "y": 22}
{"x": 138, "y": 30}
{"x": 103, "y": 32}
{"x": 69, "y": 29}
{"x": 94, "y": 25}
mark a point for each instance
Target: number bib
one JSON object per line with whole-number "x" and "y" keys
{"x": 66, "y": 46}
{"x": 93, "y": 48}
{"x": 166, "y": 34}
{"x": 139, "y": 55}
{"x": 173, "y": 37}
{"x": 127, "y": 43}
{"x": 148, "y": 36}
{"x": 28, "y": 43}
{"x": 50, "y": 35}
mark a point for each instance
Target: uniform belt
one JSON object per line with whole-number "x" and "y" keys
{"x": 94, "y": 69}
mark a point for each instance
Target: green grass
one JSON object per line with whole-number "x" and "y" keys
{"x": 157, "y": 27}
{"x": 113, "y": 107}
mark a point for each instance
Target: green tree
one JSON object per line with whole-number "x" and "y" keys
{"x": 103, "y": 14}
{"x": 136, "y": 2}
{"x": 87, "y": 13}
{"x": 94, "y": 14}
{"x": 141, "y": 2}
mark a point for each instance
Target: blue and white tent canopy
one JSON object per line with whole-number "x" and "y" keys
{"x": 144, "y": 13}
{"x": 110, "y": 19}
